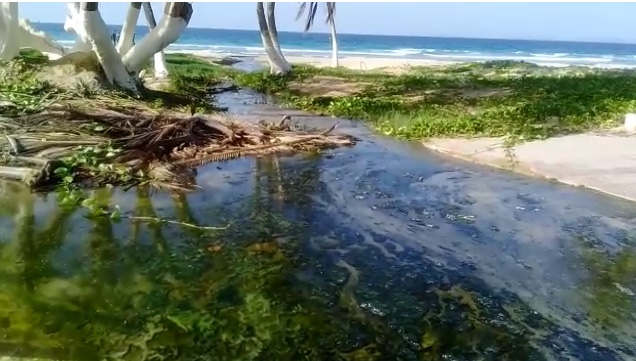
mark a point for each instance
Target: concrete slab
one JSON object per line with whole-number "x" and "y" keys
{"x": 603, "y": 162}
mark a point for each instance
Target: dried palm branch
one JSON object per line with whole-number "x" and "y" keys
{"x": 164, "y": 145}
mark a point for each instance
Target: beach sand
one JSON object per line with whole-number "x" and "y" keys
{"x": 392, "y": 64}
{"x": 361, "y": 63}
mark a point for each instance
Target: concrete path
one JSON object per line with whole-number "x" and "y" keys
{"x": 604, "y": 162}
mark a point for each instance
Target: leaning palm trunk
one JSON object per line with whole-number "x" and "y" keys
{"x": 128, "y": 30}
{"x": 334, "y": 46}
{"x": 173, "y": 23}
{"x": 9, "y": 46}
{"x": 92, "y": 24}
{"x": 273, "y": 33}
{"x": 16, "y": 33}
{"x": 161, "y": 71}
{"x": 276, "y": 63}
{"x": 29, "y": 37}
{"x": 72, "y": 23}
{"x": 331, "y": 19}
{"x": 24, "y": 236}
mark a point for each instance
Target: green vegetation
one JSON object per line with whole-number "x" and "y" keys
{"x": 189, "y": 74}
{"x": 78, "y": 121}
{"x": 24, "y": 91}
{"x": 57, "y": 131}
{"x": 501, "y": 98}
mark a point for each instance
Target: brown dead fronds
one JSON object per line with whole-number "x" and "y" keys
{"x": 159, "y": 147}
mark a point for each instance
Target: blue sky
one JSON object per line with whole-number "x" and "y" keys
{"x": 607, "y": 22}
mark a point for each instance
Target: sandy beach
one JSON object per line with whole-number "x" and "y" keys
{"x": 361, "y": 63}
{"x": 353, "y": 62}
{"x": 350, "y": 62}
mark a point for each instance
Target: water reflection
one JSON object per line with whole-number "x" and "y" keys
{"x": 610, "y": 290}
{"x": 316, "y": 264}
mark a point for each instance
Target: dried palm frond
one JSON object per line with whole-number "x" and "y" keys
{"x": 164, "y": 145}
{"x": 171, "y": 177}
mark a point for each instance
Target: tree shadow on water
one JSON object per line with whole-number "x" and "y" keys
{"x": 609, "y": 288}
{"x": 256, "y": 290}
{"x": 212, "y": 296}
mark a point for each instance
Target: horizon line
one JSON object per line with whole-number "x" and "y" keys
{"x": 612, "y": 42}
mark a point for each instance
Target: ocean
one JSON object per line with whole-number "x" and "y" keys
{"x": 248, "y": 43}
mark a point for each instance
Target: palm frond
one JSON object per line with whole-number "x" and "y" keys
{"x": 331, "y": 12}
{"x": 311, "y": 8}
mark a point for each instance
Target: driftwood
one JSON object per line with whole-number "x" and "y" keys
{"x": 163, "y": 146}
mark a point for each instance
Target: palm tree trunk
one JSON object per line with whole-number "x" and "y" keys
{"x": 9, "y": 46}
{"x": 72, "y": 24}
{"x": 275, "y": 62}
{"x": 24, "y": 235}
{"x": 29, "y": 37}
{"x": 311, "y": 9}
{"x": 92, "y": 24}
{"x": 128, "y": 30}
{"x": 161, "y": 70}
{"x": 273, "y": 33}
{"x": 175, "y": 20}
{"x": 334, "y": 44}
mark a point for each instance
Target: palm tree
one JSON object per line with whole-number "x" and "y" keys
{"x": 18, "y": 33}
{"x": 121, "y": 69}
{"x": 128, "y": 29}
{"x": 273, "y": 32}
{"x": 95, "y": 31}
{"x": 161, "y": 70}
{"x": 312, "y": 9}
{"x": 277, "y": 63}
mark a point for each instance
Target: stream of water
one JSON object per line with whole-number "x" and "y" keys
{"x": 383, "y": 251}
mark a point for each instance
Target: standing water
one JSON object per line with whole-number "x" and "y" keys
{"x": 379, "y": 252}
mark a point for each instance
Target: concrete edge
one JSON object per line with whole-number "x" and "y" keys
{"x": 519, "y": 168}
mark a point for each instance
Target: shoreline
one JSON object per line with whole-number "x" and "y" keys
{"x": 368, "y": 62}
{"x": 361, "y": 62}
{"x": 394, "y": 64}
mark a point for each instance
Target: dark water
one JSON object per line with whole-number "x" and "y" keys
{"x": 379, "y": 252}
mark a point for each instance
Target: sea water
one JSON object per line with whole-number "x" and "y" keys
{"x": 248, "y": 43}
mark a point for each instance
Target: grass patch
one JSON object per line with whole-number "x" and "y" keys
{"x": 499, "y": 98}
{"x": 190, "y": 74}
